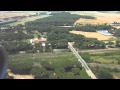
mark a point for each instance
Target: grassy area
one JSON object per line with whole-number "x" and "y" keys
{"x": 26, "y": 20}
{"x": 84, "y": 74}
{"x": 104, "y": 60}
{"x": 91, "y": 21}
{"x": 116, "y": 75}
{"x": 36, "y": 55}
{"x": 47, "y": 66}
{"x": 107, "y": 58}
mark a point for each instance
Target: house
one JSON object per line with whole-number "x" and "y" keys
{"x": 40, "y": 40}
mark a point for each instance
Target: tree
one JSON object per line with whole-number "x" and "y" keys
{"x": 38, "y": 72}
{"x": 77, "y": 77}
{"x": 118, "y": 43}
{"x": 39, "y": 36}
{"x": 86, "y": 57}
{"x": 119, "y": 62}
{"x": 104, "y": 74}
{"x": 75, "y": 71}
{"x": 110, "y": 43}
{"x": 52, "y": 76}
{"x": 68, "y": 75}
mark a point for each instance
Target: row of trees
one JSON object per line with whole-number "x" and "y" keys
{"x": 92, "y": 28}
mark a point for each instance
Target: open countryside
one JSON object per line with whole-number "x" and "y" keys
{"x": 61, "y": 44}
{"x": 26, "y": 20}
{"x": 108, "y": 17}
{"x": 93, "y": 35}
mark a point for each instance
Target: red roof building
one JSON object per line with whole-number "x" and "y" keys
{"x": 41, "y": 40}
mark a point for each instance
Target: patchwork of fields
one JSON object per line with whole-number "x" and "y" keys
{"x": 93, "y": 35}
{"x": 90, "y": 21}
{"x": 101, "y": 18}
{"x": 10, "y": 14}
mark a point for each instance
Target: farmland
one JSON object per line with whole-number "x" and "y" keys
{"x": 100, "y": 17}
{"x": 107, "y": 58}
{"x": 26, "y": 20}
{"x": 44, "y": 62}
{"x": 90, "y": 21}
{"x": 110, "y": 18}
{"x": 93, "y": 35}
{"x": 10, "y": 14}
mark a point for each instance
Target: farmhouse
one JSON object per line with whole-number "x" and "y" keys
{"x": 41, "y": 40}
{"x": 36, "y": 40}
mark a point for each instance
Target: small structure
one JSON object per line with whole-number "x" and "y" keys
{"x": 105, "y": 32}
{"x": 40, "y": 40}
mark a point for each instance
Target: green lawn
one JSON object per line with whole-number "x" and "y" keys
{"x": 108, "y": 59}
{"x": 104, "y": 60}
{"x": 26, "y": 20}
{"x": 84, "y": 74}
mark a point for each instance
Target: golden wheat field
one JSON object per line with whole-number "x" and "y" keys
{"x": 93, "y": 35}
{"x": 90, "y": 21}
{"x": 101, "y": 18}
{"x": 110, "y": 18}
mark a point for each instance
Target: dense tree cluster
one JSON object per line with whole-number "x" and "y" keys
{"x": 60, "y": 19}
{"x": 92, "y": 28}
{"x": 103, "y": 73}
{"x": 10, "y": 36}
{"x": 117, "y": 33}
{"x": 59, "y": 39}
{"x": 16, "y": 46}
{"x": 62, "y": 67}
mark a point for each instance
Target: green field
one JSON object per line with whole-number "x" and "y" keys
{"x": 26, "y": 20}
{"x": 104, "y": 60}
{"x": 45, "y": 65}
{"x": 107, "y": 59}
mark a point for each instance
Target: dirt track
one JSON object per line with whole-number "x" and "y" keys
{"x": 18, "y": 76}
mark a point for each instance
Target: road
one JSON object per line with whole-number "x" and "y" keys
{"x": 18, "y": 76}
{"x": 84, "y": 64}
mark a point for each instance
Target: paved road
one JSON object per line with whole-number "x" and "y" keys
{"x": 84, "y": 64}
